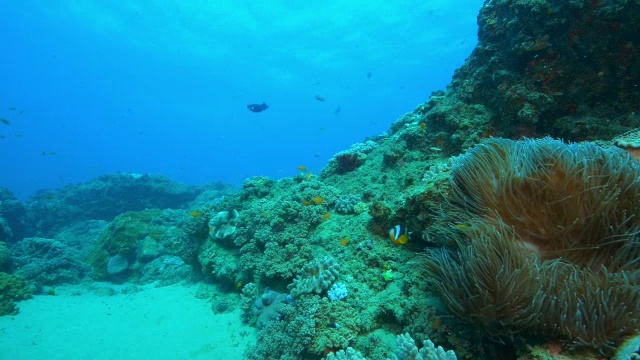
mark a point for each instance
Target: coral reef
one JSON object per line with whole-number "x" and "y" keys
{"x": 406, "y": 349}
{"x": 5, "y": 257}
{"x": 223, "y": 224}
{"x": 348, "y": 354}
{"x": 286, "y": 340}
{"x": 141, "y": 236}
{"x": 12, "y": 289}
{"x": 345, "y": 204}
{"x": 337, "y": 292}
{"x": 257, "y": 187}
{"x": 530, "y": 242}
{"x": 82, "y": 236}
{"x": 47, "y": 262}
{"x": 539, "y": 69}
{"x": 12, "y": 217}
{"x": 629, "y": 141}
{"x": 546, "y": 242}
{"x": 348, "y": 161}
{"x": 166, "y": 270}
{"x": 315, "y": 277}
{"x": 103, "y": 198}
{"x": 5, "y": 231}
{"x": 267, "y": 308}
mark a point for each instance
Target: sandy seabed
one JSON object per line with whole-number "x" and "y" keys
{"x": 153, "y": 323}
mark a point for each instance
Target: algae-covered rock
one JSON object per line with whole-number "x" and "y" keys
{"x": 141, "y": 236}
{"x": 117, "y": 264}
{"x": 12, "y": 289}
{"x": 567, "y": 69}
{"x": 148, "y": 249}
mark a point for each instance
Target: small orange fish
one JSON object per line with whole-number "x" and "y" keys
{"x": 302, "y": 168}
{"x": 344, "y": 241}
{"x": 423, "y": 126}
{"x": 317, "y": 200}
{"x": 195, "y": 213}
{"x": 326, "y": 216}
{"x": 309, "y": 175}
{"x": 239, "y": 285}
{"x": 306, "y": 202}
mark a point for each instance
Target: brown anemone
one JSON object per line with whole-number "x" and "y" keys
{"x": 548, "y": 242}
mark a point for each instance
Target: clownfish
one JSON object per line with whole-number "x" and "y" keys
{"x": 399, "y": 235}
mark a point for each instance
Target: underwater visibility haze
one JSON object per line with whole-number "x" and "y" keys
{"x": 148, "y": 87}
{"x": 336, "y": 180}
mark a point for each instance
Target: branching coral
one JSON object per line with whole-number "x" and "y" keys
{"x": 548, "y": 241}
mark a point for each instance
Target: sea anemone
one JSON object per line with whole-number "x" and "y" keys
{"x": 547, "y": 243}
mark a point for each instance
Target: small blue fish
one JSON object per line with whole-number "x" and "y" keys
{"x": 257, "y": 107}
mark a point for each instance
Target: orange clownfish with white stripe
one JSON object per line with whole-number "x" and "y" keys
{"x": 399, "y": 235}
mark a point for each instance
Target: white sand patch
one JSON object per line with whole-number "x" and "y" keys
{"x": 155, "y": 323}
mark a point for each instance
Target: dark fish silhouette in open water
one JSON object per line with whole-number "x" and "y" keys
{"x": 258, "y": 107}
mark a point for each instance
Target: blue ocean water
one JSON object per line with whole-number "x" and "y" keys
{"x": 94, "y": 87}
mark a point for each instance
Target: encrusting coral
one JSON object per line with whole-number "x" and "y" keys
{"x": 547, "y": 242}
